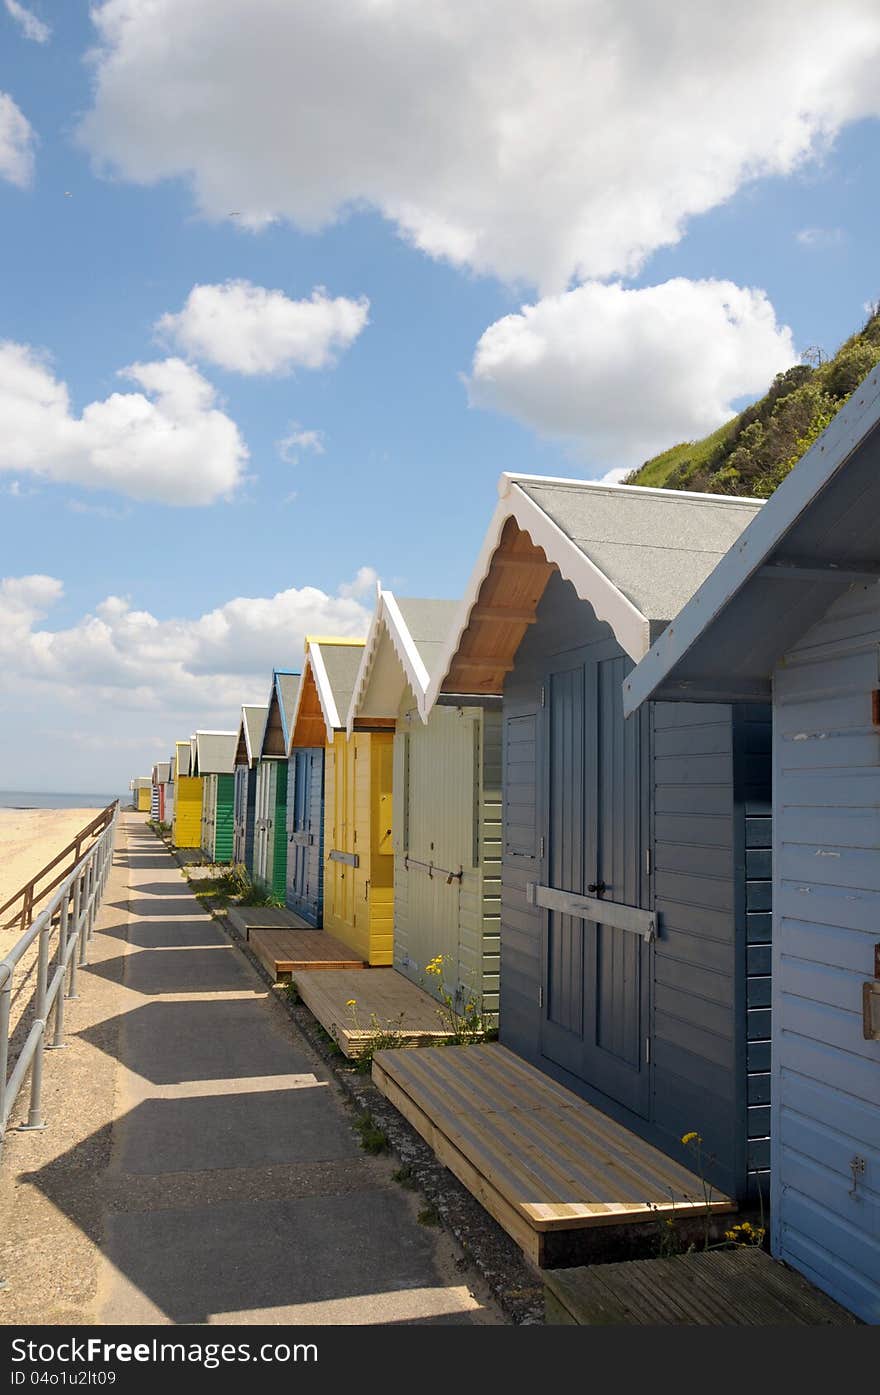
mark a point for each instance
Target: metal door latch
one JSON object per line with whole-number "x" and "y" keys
{"x": 597, "y": 889}
{"x": 857, "y": 1168}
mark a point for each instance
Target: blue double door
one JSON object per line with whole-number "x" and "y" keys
{"x": 305, "y": 834}
{"x": 596, "y": 975}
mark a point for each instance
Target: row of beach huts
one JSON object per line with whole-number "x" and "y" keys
{"x": 629, "y": 789}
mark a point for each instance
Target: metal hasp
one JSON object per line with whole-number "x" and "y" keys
{"x": 350, "y": 859}
{"x": 871, "y": 1010}
{"x": 638, "y": 922}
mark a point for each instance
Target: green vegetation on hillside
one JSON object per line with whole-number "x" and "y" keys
{"x": 753, "y": 453}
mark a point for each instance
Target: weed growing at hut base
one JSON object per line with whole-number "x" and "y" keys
{"x": 291, "y": 992}
{"x": 384, "y": 1036}
{"x": 429, "y": 1215}
{"x": 462, "y": 1016}
{"x": 741, "y": 1235}
{"x": 405, "y": 1177}
{"x": 373, "y": 1138}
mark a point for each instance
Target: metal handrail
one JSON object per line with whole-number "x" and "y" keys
{"x": 72, "y": 911}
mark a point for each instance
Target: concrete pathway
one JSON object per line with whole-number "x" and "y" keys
{"x": 232, "y": 1187}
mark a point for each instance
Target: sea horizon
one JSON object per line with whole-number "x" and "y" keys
{"x": 54, "y": 799}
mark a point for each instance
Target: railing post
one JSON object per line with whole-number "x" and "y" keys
{"x": 58, "y": 1041}
{"x": 84, "y": 915}
{"x": 5, "y": 998}
{"x": 35, "y": 1118}
{"x": 96, "y": 891}
{"x": 77, "y": 901}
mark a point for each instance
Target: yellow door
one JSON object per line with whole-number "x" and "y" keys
{"x": 188, "y": 813}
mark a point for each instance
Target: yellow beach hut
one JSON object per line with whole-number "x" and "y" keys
{"x": 358, "y": 852}
{"x": 186, "y": 829}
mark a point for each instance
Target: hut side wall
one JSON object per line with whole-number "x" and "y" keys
{"x": 826, "y": 1075}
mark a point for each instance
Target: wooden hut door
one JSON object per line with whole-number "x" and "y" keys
{"x": 299, "y": 801}
{"x": 595, "y": 975}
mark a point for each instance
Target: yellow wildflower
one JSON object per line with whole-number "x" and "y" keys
{"x": 691, "y": 1137}
{"x": 352, "y": 1002}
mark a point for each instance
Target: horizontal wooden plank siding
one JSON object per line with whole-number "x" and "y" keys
{"x": 698, "y": 1080}
{"x": 825, "y": 1097}
{"x": 753, "y": 735}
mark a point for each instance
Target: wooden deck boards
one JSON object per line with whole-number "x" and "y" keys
{"x": 285, "y": 952}
{"x": 723, "y": 1288}
{"x": 384, "y": 999}
{"x": 247, "y": 918}
{"x": 540, "y": 1159}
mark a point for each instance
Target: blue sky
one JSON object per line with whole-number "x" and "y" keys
{"x": 601, "y": 371}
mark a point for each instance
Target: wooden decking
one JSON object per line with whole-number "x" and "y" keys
{"x": 384, "y": 1001}
{"x": 248, "y": 918}
{"x": 722, "y": 1288}
{"x": 286, "y": 952}
{"x": 548, "y": 1166}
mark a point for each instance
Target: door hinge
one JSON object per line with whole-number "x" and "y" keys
{"x": 541, "y": 848}
{"x": 648, "y": 862}
{"x": 540, "y": 997}
{"x": 543, "y": 696}
{"x": 647, "y": 1051}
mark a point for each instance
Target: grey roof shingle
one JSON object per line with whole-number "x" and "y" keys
{"x": 216, "y": 752}
{"x": 254, "y": 719}
{"x": 342, "y": 662}
{"x": 656, "y": 547}
{"x": 428, "y": 623}
{"x": 288, "y": 688}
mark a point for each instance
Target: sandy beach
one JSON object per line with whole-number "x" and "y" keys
{"x": 29, "y": 838}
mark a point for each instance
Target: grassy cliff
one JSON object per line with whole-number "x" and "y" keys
{"x": 754, "y": 451}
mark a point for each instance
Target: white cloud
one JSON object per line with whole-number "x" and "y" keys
{"x": 169, "y": 442}
{"x": 536, "y": 139}
{"x": 624, "y": 373}
{"x": 17, "y": 141}
{"x": 298, "y": 440}
{"x": 98, "y": 674}
{"x": 819, "y": 237}
{"x": 248, "y": 329}
{"x": 363, "y": 584}
{"x": 30, "y": 25}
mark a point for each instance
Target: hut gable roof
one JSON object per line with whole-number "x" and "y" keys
{"x": 403, "y": 647}
{"x": 815, "y": 537}
{"x": 635, "y": 555}
{"x": 250, "y": 734}
{"x": 329, "y": 675}
{"x": 163, "y": 772}
{"x": 279, "y": 714}
{"x": 215, "y": 752}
